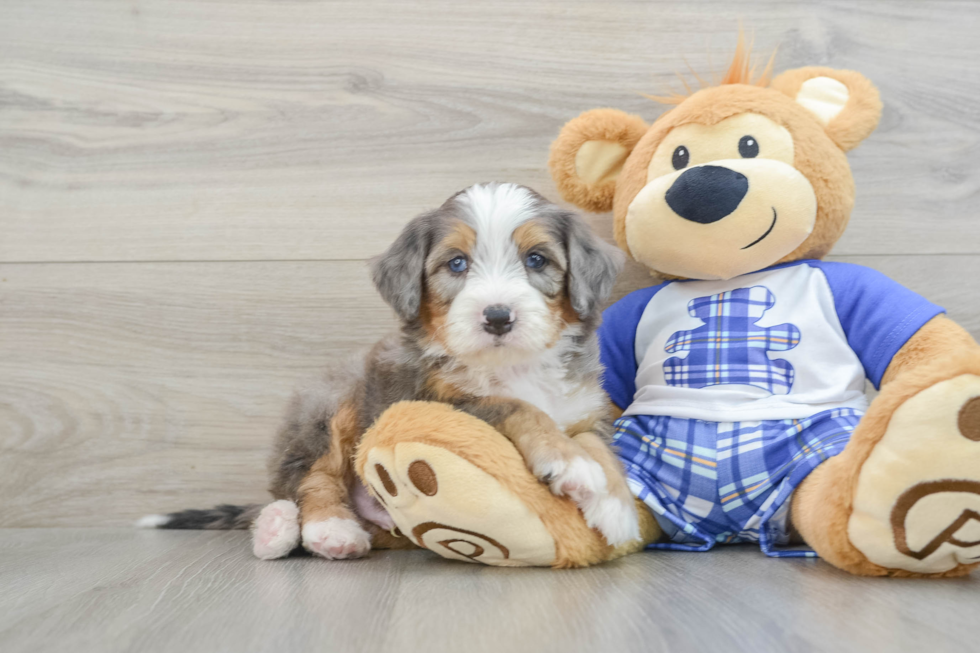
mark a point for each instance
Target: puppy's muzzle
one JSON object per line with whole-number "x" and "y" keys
{"x": 707, "y": 193}
{"x": 498, "y": 319}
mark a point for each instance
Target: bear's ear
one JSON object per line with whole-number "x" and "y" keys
{"x": 843, "y": 101}
{"x": 589, "y": 153}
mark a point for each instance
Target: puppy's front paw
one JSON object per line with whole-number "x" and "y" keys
{"x": 614, "y": 518}
{"x": 583, "y": 480}
{"x": 276, "y": 530}
{"x": 336, "y": 538}
{"x": 579, "y": 478}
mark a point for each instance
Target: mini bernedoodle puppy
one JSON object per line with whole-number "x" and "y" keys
{"x": 499, "y": 294}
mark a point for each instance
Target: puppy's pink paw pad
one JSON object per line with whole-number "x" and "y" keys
{"x": 577, "y": 490}
{"x": 581, "y": 479}
{"x": 336, "y": 539}
{"x": 276, "y": 530}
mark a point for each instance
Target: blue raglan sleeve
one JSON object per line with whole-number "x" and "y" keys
{"x": 617, "y": 344}
{"x": 878, "y": 315}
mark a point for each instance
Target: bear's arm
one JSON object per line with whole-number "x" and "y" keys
{"x": 878, "y": 315}
{"x": 617, "y": 345}
{"x": 938, "y": 338}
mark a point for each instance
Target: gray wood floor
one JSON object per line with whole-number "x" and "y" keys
{"x": 110, "y": 590}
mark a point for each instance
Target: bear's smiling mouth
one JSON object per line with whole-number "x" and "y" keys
{"x": 768, "y": 231}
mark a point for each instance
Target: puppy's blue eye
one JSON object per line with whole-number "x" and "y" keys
{"x": 458, "y": 264}
{"x": 535, "y": 261}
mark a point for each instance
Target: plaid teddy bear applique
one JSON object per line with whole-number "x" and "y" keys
{"x": 730, "y": 348}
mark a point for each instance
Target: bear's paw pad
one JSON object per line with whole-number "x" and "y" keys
{"x": 917, "y": 503}
{"x": 451, "y": 506}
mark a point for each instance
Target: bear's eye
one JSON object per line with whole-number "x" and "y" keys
{"x": 680, "y": 158}
{"x": 748, "y": 147}
{"x": 458, "y": 264}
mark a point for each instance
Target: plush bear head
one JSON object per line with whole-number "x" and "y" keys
{"x": 733, "y": 179}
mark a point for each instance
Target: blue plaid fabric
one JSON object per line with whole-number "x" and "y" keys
{"x": 710, "y": 483}
{"x": 730, "y": 348}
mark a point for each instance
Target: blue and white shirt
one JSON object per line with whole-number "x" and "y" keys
{"x": 783, "y": 343}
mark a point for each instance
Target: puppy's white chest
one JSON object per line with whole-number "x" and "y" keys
{"x": 546, "y": 389}
{"x": 542, "y": 383}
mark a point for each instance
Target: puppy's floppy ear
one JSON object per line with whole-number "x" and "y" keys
{"x": 846, "y": 103}
{"x": 398, "y": 273}
{"x": 593, "y": 266}
{"x": 589, "y": 154}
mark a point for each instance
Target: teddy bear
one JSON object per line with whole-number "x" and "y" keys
{"x": 739, "y": 379}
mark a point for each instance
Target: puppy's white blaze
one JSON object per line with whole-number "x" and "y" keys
{"x": 495, "y": 210}
{"x": 497, "y": 276}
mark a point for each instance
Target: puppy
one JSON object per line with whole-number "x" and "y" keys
{"x": 498, "y": 292}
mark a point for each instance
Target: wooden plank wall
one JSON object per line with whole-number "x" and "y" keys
{"x": 189, "y": 191}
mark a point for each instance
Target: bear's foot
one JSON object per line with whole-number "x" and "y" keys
{"x": 445, "y": 503}
{"x": 916, "y": 505}
{"x": 454, "y": 485}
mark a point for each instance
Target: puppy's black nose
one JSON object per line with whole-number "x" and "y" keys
{"x": 707, "y": 194}
{"x": 497, "y": 319}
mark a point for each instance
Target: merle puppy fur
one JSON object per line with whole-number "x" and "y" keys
{"x": 498, "y": 292}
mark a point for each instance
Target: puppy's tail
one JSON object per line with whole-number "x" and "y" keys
{"x": 220, "y": 518}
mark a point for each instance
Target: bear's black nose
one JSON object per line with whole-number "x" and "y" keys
{"x": 707, "y": 194}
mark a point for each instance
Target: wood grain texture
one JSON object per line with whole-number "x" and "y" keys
{"x": 188, "y": 191}
{"x": 228, "y": 130}
{"x": 105, "y": 590}
{"x": 135, "y": 388}
{"x": 127, "y": 388}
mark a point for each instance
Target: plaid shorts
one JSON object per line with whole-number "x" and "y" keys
{"x": 708, "y": 482}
